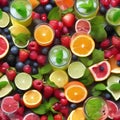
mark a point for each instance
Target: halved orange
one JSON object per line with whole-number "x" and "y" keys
{"x": 34, "y": 3}
{"x": 82, "y": 45}
{"x": 76, "y": 93}
{"x": 77, "y": 114}
{"x": 32, "y": 98}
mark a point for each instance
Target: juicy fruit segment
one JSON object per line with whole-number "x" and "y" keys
{"x": 76, "y": 70}
{"x": 114, "y": 67}
{"x": 77, "y": 114}
{"x": 23, "y": 81}
{"x": 112, "y": 109}
{"x": 59, "y": 77}
{"x": 9, "y": 105}
{"x": 44, "y": 35}
{"x": 82, "y": 26}
{"x": 7, "y": 89}
{"x": 112, "y": 80}
{"x": 31, "y": 116}
{"x": 4, "y": 46}
{"x": 32, "y": 98}
{"x": 76, "y": 93}
{"x": 82, "y": 45}
{"x": 4, "y": 21}
{"x": 100, "y": 71}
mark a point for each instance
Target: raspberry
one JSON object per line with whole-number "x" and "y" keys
{"x": 117, "y": 57}
{"x": 17, "y": 97}
{"x": 53, "y": 24}
{"x": 65, "y": 41}
{"x": 105, "y": 44}
{"x": 20, "y": 110}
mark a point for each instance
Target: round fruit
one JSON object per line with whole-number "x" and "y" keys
{"x": 34, "y": 3}
{"x": 77, "y": 114}
{"x": 82, "y": 26}
{"x": 31, "y": 116}
{"x": 32, "y": 98}
{"x": 7, "y": 89}
{"x": 100, "y": 71}
{"x": 76, "y": 93}
{"x": 112, "y": 108}
{"x": 23, "y": 81}
{"x": 59, "y": 77}
{"x": 76, "y": 70}
{"x": 4, "y": 46}
{"x": 9, "y": 105}
{"x": 4, "y": 21}
{"x": 82, "y": 45}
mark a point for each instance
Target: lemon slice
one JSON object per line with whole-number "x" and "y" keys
{"x": 4, "y": 21}
{"x": 59, "y": 77}
{"x": 23, "y": 81}
{"x": 76, "y": 70}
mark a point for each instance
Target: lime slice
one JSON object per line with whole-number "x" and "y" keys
{"x": 76, "y": 70}
{"x": 4, "y": 21}
{"x": 7, "y": 89}
{"x": 59, "y": 77}
{"x": 23, "y": 81}
{"x": 111, "y": 80}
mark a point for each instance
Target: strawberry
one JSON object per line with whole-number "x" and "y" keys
{"x": 11, "y": 73}
{"x": 23, "y": 55}
{"x": 65, "y": 41}
{"x": 58, "y": 116}
{"x": 116, "y": 41}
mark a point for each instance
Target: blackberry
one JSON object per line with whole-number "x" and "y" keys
{"x": 102, "y": 9}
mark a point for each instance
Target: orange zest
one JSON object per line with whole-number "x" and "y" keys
{"x": 82, "y": 45}
{"x": 32, "y": 98}
{"x": 76, "y": 93}
{"x": 44, "y": 35}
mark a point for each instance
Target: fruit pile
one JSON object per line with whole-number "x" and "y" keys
{"x": 31, "y": 89}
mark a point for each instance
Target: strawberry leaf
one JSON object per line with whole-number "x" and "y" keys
{"x": 3, "y": 84}
{"x": 1, "y": 13}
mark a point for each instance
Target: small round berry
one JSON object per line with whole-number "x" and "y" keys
{"x": 33, "y": 55}
{"x": 41, "y": 59}
{"x": 14, "y": 50}
{"x": 34, "y": 70}
{"x": 57, "y": 41}
{"x": 35, "y": 64}
{"x": 57, "y": 106}
{"x": 45, "y": 50}
{"x": 27, "y": 69}
{"x": 44, "y": 17}
{"x": 64, "y": 101}
{"x": 102, "y": 10}
{"x": 74, "y": 57}
{"x": 73, "y": 106}
{"x": 44, "y": 2}
{"x": 6, "y": 31}
{"x": 11, "y": 60}
{"x": 48, "y": 7}
{"x": 40, "y": 9}
{"x": 19, "y": 66}
{"x": 106, "y": 95}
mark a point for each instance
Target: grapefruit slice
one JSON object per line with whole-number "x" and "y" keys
{"x": 31, "y": 116}
{"x": 9, "y": 105}
{"x": 7, "y": 89}
{"x": 82, "y": 26}
{"x": 4, "y": 46}
{"x": 100, "y": 71}
{"x": 112, "y": 109}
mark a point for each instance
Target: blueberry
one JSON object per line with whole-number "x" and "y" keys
{"x": 6, "y": 31}
{"x": 28, "y": 62}
{"x": 107, "y": 95}
{"x": 14, "y": 50}
{"x": 73, "y": 106}
{"x": 57, "y": 41}
{"x": 102, "y": 9}
{"x": 118, "y": 63}
{"x": 74, "y": 57}
{"x": 34, "y": 70}
{"x": 6, "y": 9}
{"x": 110, "y": 30}
{"x": 101, "y": 68}
{"x": 9, "y": 37}
{"x": 35, "y": 64}
{"x": 48, "y": 7}
{"x": 40, "y": 9}
{"x": 19, "y": 66}
{"x": 45, "y": 50}
{"x": 11, "y": 60}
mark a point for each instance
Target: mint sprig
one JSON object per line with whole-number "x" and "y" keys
{"x": 21, "y": 9}
{"x": 115, "y": 87}
{"x": 59, "y": 56}
{"x": 3, "y": 84}
{"x": 1, "y": 13}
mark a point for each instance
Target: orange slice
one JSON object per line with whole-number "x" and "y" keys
{"x": 76, "y": 93}
{"x": 34, "y": 3}
{"x": 77, "y": 114}
{"x": 32, "y": 98}
{"x": 82, "y": 45}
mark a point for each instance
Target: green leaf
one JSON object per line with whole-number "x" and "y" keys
{"x": 42, "y": 109}
{"x": 116, "y": 16}
{"x": 3, "y": 84}
{"x": 97, "y": 56}
{"x": 50, "y": 116}
{"x": 69, "y": 10}
{"x": 54, "y": 14}
{"x": 50, "y": 83}
{"x": 96, "y": 93}
{"x": 21, "y": 9}
{"x": 115, "y": 87}
{"x": 46, "y": 69}
{"x": 1, "y": 13}
{"x": 100, "y": 86}
{"x": 52, "y": 101}
{"x": 59, "y": 56}
{"x": 37, "y": 76}
{"x": 53, "y": 111}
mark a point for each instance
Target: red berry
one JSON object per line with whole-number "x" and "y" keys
{"x": 64, "y": 101}
{"x": 58, "y": 117}
{"x": 57, "y": 33}
{"x": 47, "y": 91}
{"x": 20, "y": 111}
{"x": 41, "y": 59}
{"x": 11, "y": 74}
{"x": 114, "y": 50}
{"x": 17, "y": 97}
{"x": 65, "y": 111}
{"x": 35, "y": 15}
{"x": 4, "y": 3}
{"x": 57, "y": 106}
{"x": 27, "y": 69}
{"x": 65, "y": 41}
{"x": 57, "y": 93}
{"x": 3, "y": 67}
{"x": 37, "y": 84}
{"x": 114, "y": 3}
{"x": 107, "y": 54}
{"x": 60, "y": 25}
{"x": 23, "y": 55}
{"x": 116, "y": 41}
{"x": 105, "y": 44}
{"x": 33, "y": 55}
{"x": 105, "y": 3}
{"x": 43, "y": 17}
{"x": 44, "y": 117}
{"x": 65, "y": 30}
{"x": 117, "y": 57}
{"x": 44, "y": 2}
{"x": 54, "y": 24}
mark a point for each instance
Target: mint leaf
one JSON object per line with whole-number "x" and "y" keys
{"x": 52, "y": 101}
{"x": 115, "y": 87}
{"x": 51, "y": 83}
{"x": 21, "y": 9}
{"x": 59, "y": 56}
{"x": 96, "y": 93}
{"x": 1, "y": 13}
{"x": 3, "y": 84}
{"x": 69, "y": 10}
{"x": 54, "y": 14}
{"x": 100, "y": 86}
{"x": 46, "y": 69}
{"x": 37, "y": 76}
{"x": 116, "y": 16}
{"x": 50, "y": 116}
{"x": 97, "y": 56}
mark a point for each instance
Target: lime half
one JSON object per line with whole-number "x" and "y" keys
{"x": 59, "y": 77}
{"x": 23, "y": 81}
{"x": 4, "y": 21}
{"x": 76, "y": 69}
